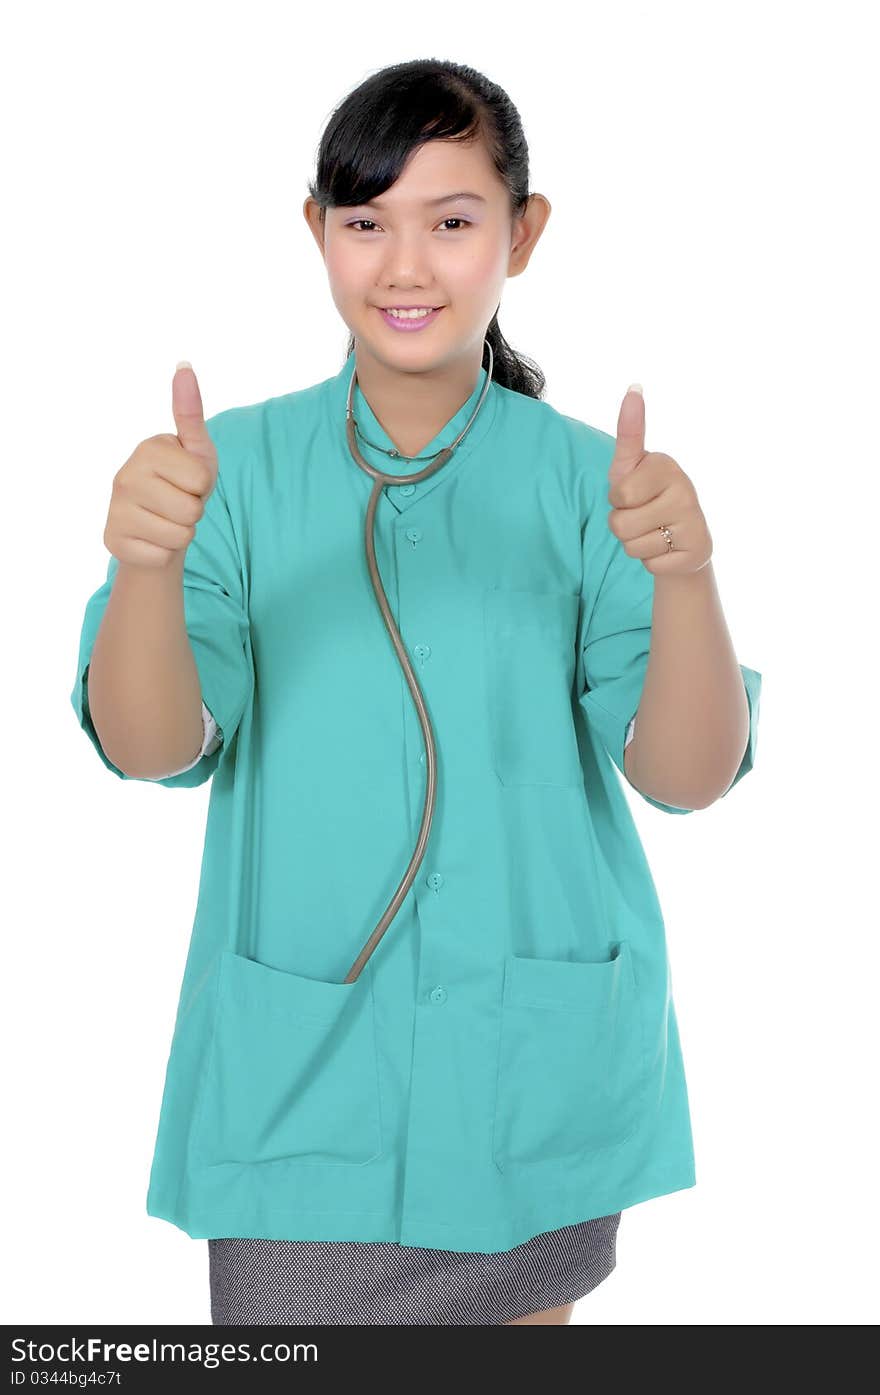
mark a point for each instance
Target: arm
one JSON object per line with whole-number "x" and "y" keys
{"x": 693, "y": 725}
{"x": 143, "y": 685}
{"x": 160, "y": 709}
{"x": 653, "y": 636}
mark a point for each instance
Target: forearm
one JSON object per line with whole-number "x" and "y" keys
{"x": 692, "y": 727}
{"x": 143, "y": 685}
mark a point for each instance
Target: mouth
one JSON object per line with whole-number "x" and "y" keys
{"x": 409, "y": 324}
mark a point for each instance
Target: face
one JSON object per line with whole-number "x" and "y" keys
{"x": 415, "y": 247}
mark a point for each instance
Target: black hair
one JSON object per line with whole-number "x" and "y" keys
{"x": 375, "y": 129}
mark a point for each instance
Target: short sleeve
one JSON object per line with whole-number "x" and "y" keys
{"x": 617, "y": 598}
{"x": 211, "y": 738}
{"x": 217, "y": 625}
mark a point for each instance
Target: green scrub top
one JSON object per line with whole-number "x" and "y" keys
{"x": 508, "y": 1061}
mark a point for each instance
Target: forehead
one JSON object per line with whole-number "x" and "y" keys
{"x": 439, "y": 169}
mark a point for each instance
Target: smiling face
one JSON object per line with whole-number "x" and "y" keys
{"x": 417, "y": 246}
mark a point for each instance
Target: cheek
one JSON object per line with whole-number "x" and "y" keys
{"x": 343, "y": 272}
{"x": 481, "y": 273}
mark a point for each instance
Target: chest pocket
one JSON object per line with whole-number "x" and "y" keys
{"x": 291, "y": 1071}
{"x": 530, "y": 639}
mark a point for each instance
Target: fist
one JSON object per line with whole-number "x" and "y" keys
{"x": 655, "y": 510}
{"x": 160, "y": 493}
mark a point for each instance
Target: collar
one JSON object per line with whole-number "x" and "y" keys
{"x": 370, "y": 427}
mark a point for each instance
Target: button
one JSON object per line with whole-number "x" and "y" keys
{"x": 414, "y": 535}
{"x": 422, "y": 651}
{"x": 434, "y": 881}
{"x": 407, "y": 489}
{"x": 438, "y": 995}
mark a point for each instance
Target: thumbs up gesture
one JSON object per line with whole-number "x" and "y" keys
{"x": 160, "y": 493}
{"x": 655, "y": 511}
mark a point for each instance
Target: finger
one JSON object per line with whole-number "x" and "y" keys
{"x": 653, "y": 544}
{"x": 630, "y": 446}
{"x": 630, "y": 490}
{"x": 189, "y": 415}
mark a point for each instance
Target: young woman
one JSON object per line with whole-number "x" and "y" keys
{"x": 426, "y": 1050}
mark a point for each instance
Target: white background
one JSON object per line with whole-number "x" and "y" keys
{"x": 713, "y": 235}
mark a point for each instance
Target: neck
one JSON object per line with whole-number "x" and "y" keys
{"x": 413, "y": 407}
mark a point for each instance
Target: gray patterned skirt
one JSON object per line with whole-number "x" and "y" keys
{"x": 365, "y": 1282}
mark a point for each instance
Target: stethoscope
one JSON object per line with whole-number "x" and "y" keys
{"x": 380, "y": 480}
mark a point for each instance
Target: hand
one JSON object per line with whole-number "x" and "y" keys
{"x": 648, "y": 489}
{"x": 160, "y": 492}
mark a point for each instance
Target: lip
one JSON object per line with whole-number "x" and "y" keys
{"x": 409, "y": 326}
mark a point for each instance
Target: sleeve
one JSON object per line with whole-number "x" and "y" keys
{"x": 211, "y": 738}
{"x": 217, "y": 625}
{"x": 617, "y": 596}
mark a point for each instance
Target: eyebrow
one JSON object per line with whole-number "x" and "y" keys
{"x": 431, "y": 203}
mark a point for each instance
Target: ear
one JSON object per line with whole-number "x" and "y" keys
{"x": 312, "y": 212}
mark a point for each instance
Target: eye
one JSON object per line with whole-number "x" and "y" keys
{"x": 464, "y": 221}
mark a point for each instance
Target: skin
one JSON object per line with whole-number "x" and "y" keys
{"x": 410, "y": 253}
{"x": 550, "y": 1317}
{"x": 693, "y": 722}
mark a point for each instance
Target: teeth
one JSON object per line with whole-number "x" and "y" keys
{"x": 409, "y": 314}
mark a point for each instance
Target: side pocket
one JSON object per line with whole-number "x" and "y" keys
{"x": 571, "y": 1068}
{"x": 530, "y": 656}
{"x": 291, "y": 1069}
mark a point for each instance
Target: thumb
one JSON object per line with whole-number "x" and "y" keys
{"x": 189, "y": 415}
{"x": 630, "y": 444}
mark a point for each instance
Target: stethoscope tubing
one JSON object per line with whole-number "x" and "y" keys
{"x": 380, "y": 480}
